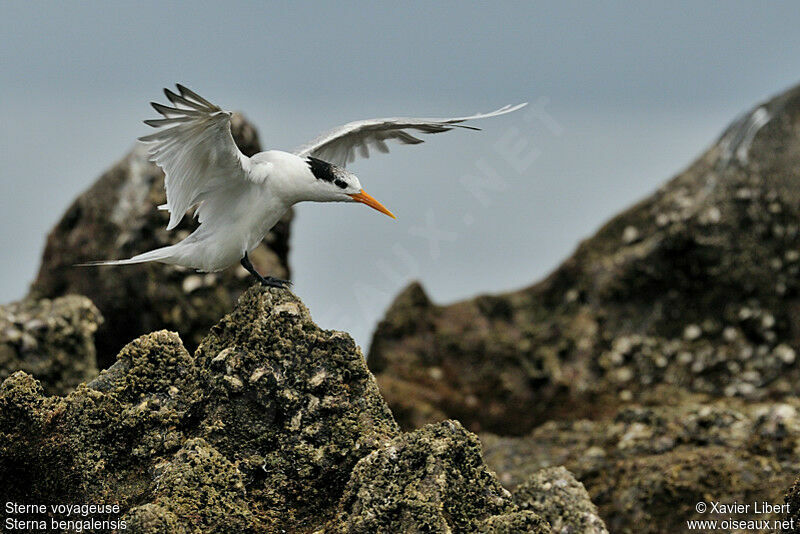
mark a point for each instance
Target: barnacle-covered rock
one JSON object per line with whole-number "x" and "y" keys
{"x": 295, "y": 405}
{"x": 555, "y": 494}
{"x": 429, "y": 480}
{"x": 646, "y": 467}
{"x": 51, "y": 339}
{"x": 273, "y": 425}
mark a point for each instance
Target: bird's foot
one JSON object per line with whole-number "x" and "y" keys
{"x": 270, "y": 281}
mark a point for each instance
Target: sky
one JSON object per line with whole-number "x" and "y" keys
{"x": 622, "y": 97}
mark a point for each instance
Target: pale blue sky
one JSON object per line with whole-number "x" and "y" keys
{"x": 636, "y": 92}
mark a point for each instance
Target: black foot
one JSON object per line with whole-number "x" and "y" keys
{"x": 268, "y": 281}
{"x": 275, "y": 282}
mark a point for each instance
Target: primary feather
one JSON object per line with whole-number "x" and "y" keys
{"x": 197, "y": 152}
{"x": 340, "y": 145}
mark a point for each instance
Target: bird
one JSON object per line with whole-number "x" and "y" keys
{"x": 238, "y": 199}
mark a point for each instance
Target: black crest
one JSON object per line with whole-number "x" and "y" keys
{"x": 322, "y": 170}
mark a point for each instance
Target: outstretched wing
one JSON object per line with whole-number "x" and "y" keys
{"x": 340, "y": 145}
{"x": 195, "y": 149}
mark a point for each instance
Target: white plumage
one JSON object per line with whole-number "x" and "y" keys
{"x": 239, "y": 199}
{"x": 340, "y": 144}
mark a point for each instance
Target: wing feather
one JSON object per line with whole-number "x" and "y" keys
{"x": 195, "y": 149}
{"x": 179, "y": 100}
{"x": 188, "y": 93}
{"x": 340, "y": 145}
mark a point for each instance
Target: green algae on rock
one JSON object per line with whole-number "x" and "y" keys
{"x": 287, "y": 415}
{"x": 118, "y": 217}
{"x": 521, "y": 522}
{"x": 196, "y": 483}
{"x": 295, "y": 405}
{"x": 273, "y": 425}
{"x": 51, "y": 339}
{"x": 429, "y": 480}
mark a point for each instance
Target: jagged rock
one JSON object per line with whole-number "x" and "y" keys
{"x": 562, "y": 501}
{"x": 696, "y": 287}
{"x": 295, "y": 405}
{"x": 273, "y": 425}
{"x": 118, "y": 217}
{"x": 646, "y": 468}
{"x": 197, "y": 469}
{"x": 430, "y": 480}
{"x": 51, "y": 339}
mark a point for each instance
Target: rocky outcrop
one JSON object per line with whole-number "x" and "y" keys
{"x": 272, "y": 425}
{"x": 442, "y": 486}
{"x": 561, "y": 500}
{"x": 118, "y": 217}
{"x": 646, "y": 468}
{"x": 658, "y": 363}
{"x": 696, "y": 288}
{"x": 51, "y": 339}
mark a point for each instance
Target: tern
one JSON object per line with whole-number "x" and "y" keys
{"x": 239, "y": 199}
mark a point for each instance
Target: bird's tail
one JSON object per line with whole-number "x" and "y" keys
{"x": 164, "y": 254}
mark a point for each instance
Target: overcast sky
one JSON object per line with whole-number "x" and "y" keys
{"x": 627, "y": 95}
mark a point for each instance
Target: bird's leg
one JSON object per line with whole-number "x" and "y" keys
{"x": 265, "y": 280}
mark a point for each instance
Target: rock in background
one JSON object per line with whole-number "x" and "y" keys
{"x": 119, "y": 217}
{"x": 51, "y": 339}
{"x": 647, "y": 467}
{"x": 658, "y": 363}
{"x": 694, "y": 288}
{"x": 273, "y": 425}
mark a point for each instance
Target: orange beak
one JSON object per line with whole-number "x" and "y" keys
{"x": 364, "y": 198}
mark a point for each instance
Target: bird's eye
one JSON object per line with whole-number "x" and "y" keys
{"x": 340, "y": 183}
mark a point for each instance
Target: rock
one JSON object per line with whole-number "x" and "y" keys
{"x": 295, "y": 436}
{"x": 197, "y": 469}
{"x": 118, "y": 217}
{"x": 647, "y": 467}
{"x": 513, "y": 523}
{"x": 273, "y": 425}
{"x": 430, "y": 480}
{"x": 696, "y": 288}
{"x": 555, "y": 495}
{"x": 792, "y": 499}
{"x": 51, "y": 339}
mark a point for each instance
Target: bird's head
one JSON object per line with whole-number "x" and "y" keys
{"x": 336, "y": 184}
